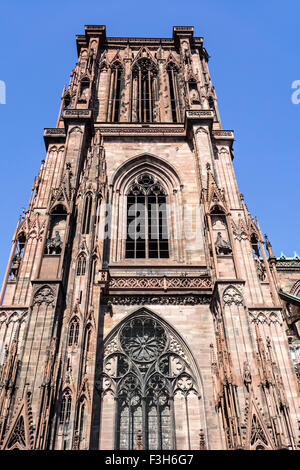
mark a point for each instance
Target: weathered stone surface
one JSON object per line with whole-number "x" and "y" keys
{"x": 186, "y": 346}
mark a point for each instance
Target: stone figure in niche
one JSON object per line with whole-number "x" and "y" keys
{"x": 247, "y": 374}
{"x": 194, "y": 96}
{"x": 261, "y": 270}
{"x": 54, "y": 245}
{"x": 16, "y": 261}
{"x": 186, "y": 55}
{"x": 84, "y": 91}
{"x": 222, "y": 246}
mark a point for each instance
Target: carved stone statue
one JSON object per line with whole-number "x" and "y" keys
{"x": 260, "y": 268}
{"x": 222, "y": 246}
{"x": 16, "y": 261}
{"x": 194, "y": 97}
{"x": 247, "y": 374}
{"x": 186, "y": 55}
{"x": 54, "y": 245}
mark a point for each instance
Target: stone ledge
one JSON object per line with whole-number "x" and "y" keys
{"x": 223, "y": 135}
{"x": 54, "y": 135}
{"x": 142, "y": 129}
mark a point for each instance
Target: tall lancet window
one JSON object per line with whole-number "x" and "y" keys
{"x": 144, "y": 91}
{"x": 154, "y": 385}
{"x": 174, "y": 92}
{"x": 116, "y": 85}
{"x": 87, "y": 212}
{"x": 147, "y": 228}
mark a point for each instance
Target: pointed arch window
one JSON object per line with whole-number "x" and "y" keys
{"x": 145, "y": 93}
{"x": 147, "y": 228}
{"x": 88, "y": 339}
{"x": 116, "y": 86}
{"x": 147, "y": 373}
{"x": 65, "y": 410}
{"x": 73, "y": 332}
{"x": 81, "y": 266}
{"x": 174, "y": 92}
{"x": 255, "y": 246}
{"x": 82, "y": 421}
{"x": 87, "y": 214}
{"x": 259, "y": 264}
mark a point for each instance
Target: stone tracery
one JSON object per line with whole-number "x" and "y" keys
{"x": 145, "y": 371}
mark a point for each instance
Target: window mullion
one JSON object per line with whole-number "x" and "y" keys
{"x": 144, "y": 424}
{"x": 114, "y": 94}
{"x": 150, "y": 96}
{"x": 158, "y": 227}
{"x": 146, "y": 228}
{"x": 140, "y": 95}
{"x": 159, "y": 433}
{"x": 135, "y": 226}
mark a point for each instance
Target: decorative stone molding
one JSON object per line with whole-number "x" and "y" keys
{"x": 77, "y": 113}
{"x": 55, "y": 131}
{"x": 12, "y": 316}
{"x": 133, "y": 130}
{"x": 45, "y": 295}
{"x": 220, "y": 134}
{"x": 223, "y": 151}
{"x": 296, "y": 288}
{"x": 156, "y": 300}
{"x": 165, "y": 283}
{"x": 232, "y": 295}
{"x": 54, "y": 135}
{"x": 200, "y": 114}
{"x": 240, "y": 230}
{"x": 33, "y": 226}
{"x": 288, "y": 265}
{"x": 201, "y": 130}
{"x": 267, "y": 317}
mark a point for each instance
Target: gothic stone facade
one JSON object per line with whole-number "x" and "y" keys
{"x": 186, "y": 340}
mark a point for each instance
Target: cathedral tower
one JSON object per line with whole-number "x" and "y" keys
{"x": 142, "y": 308}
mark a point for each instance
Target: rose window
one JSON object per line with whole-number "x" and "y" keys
{"x": 143, "y": 339}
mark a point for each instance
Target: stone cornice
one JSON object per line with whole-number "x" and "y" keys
{"x": 77, "y": 113}
{"x": 223, "y": 135}
{"x": 74, "y": 116}
{"x": 288, "y": 264}
{"x": 140, "y": 129}
{"x": 82, "y": 40}
{"x": 152, "y": 299}
{"x": 54, "y": 135}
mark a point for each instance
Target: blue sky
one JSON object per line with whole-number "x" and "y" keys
{"x": 254, "y": 60}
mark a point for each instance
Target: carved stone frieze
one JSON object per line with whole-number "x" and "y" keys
{"x": 124, "y": 282}
{"x": 267, "y": 317}
{"x": 156, "y": 300}
{"x": 142, "y": 130}
{"x": 12, "y": 316}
